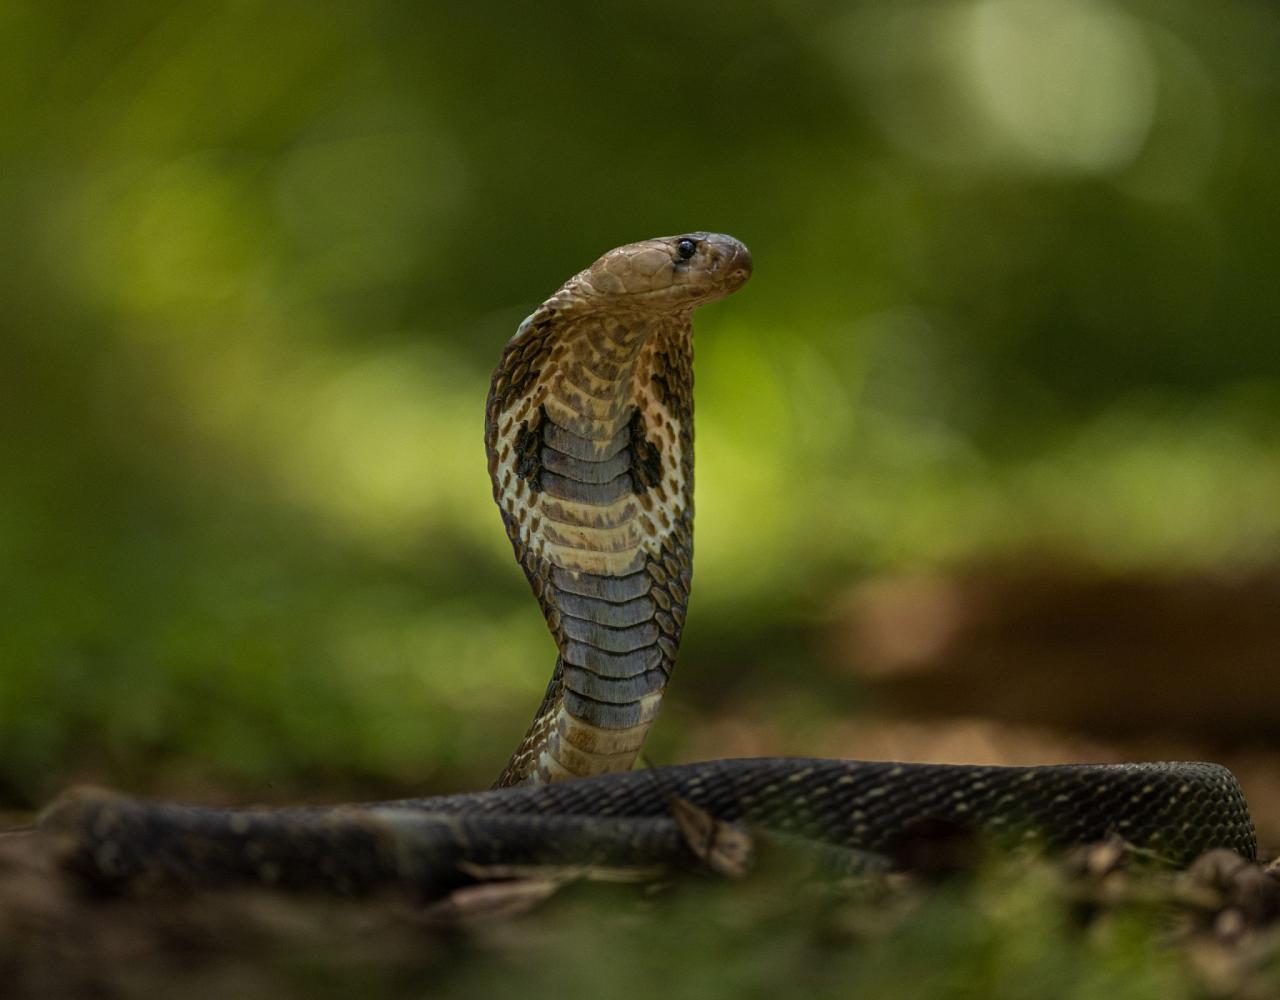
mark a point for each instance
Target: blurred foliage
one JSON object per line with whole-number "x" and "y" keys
{"x": 1007, "y": 935}
{"x": 1019, "y": 931}
{"x": 1015, "y": 288}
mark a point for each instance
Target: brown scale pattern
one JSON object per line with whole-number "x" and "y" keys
{"x": 672, "y": 380}
{"x": 646, "y": 457}
{"x": 522, "y": 362}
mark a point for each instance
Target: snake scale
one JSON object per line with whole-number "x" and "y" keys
{"x": 589, "y": 436}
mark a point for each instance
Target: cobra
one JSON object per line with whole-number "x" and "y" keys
{"x": 589, "y": 437}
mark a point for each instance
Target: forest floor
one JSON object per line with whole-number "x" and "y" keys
{"x": 1096, "y": 923}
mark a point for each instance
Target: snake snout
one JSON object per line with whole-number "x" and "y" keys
{"x": 732, "y": 260}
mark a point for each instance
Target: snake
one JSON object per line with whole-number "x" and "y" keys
{"x": 589, "y": 440}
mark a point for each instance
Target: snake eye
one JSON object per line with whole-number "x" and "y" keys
{"x": 686, "y": 249}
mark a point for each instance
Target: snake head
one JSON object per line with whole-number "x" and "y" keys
{"x": 669, "y": 273}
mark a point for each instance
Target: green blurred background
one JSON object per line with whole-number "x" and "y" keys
{"x": 1015, "y": 305}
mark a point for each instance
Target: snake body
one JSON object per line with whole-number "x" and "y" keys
{"x": 589, "y": 436}
{"x": 589, "y": 432}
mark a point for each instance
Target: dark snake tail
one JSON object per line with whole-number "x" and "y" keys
{"x": 1174, "y": 811}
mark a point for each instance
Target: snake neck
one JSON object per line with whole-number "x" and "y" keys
{"x": 589, "y": 433}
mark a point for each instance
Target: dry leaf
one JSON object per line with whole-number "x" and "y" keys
{"x": 561, "y": 873}
{"x": 726, "y": 849}
{"x": 493, "y": 900}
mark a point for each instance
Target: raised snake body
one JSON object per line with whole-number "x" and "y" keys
{"x": 589, "y": 437}
{"x": 589, "y": 432}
